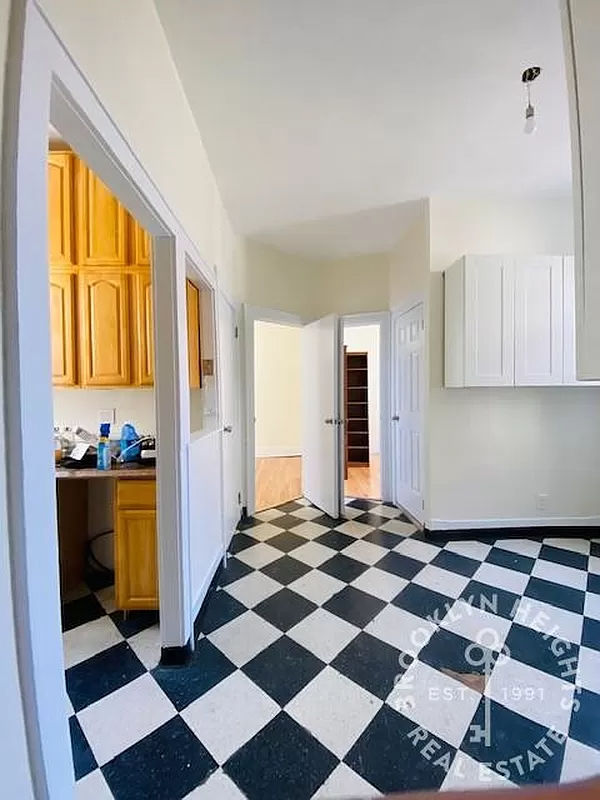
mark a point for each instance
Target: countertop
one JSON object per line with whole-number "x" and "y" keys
{"x": 131, "y": 470}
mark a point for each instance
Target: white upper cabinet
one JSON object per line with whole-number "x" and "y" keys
{"x": 581, "y": 24}
{"x": 538, "y": 321}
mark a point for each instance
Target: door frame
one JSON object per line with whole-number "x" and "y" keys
{"x": 43, "y": 85}
{"x": 383, "y": 320}
{"x": 252, "y": 314}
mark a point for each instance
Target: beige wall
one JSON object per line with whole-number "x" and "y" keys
{"x": 277, "y": 389}
{"x": 354, "y": 285}
{"x": 82, "y": 406}
{"x": 409, "y": 261}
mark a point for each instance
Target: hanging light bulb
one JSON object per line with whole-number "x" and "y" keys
{"x": 529, "y": 75}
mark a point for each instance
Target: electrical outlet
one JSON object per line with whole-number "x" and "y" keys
{"x": 107, "y": 415}
{"x": 542, "y": 502}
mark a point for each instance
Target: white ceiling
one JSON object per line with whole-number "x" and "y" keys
{"x": 322, "y": 117}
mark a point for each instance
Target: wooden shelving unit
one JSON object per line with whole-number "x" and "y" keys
{"x": 356, "y": 386}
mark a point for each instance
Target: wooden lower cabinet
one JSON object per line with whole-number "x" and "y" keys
{"x": 136, "y": 556}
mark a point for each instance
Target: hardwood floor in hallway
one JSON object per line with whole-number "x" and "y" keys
{"x": 364, "y": 482}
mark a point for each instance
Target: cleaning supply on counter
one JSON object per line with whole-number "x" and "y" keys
{"x": 130, "y": 447}
{"x": 104, "y": 455}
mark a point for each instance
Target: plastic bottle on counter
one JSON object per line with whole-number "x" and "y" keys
{"x": 104, "y": 454}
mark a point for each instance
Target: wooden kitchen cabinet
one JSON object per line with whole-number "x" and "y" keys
{"x": 136, "y": 556}
{"x": 102, "y": 222}
{"x": 105, "y": 333}
{"x": 192, "y": 295}
{"x": 62, "y": 327}
{"x": 143, "y": 344}
{"x": 60, "y": 209}
{"x": 140, "y": 245}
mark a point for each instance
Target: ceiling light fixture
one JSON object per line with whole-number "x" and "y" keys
{"x": 528, "y": 76}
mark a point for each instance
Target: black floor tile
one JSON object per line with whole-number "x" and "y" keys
{"x": 78, "y": 612}
{"x": 247, "y": 523}
{"x": 166, "y": 765}
{"x": 547, "y": 654}
{"x": 134, "y": 622}
{"x": 283, "y": 760}
{"x": 102, "y": 674}
{"x": 289, "y": 508}
{"x": 423, "y": 602}
{"x": 208, "y": 666}
{"x": 372, "y": 664}
{"x": 568, "y": 558}
{"x": 584, "y": 720}
{"x": 593, "y": 583}
{"x": 591, "y": 633}
{"x": 384, "y": 538}
{"x": 512, "y": 737}
{"x": 285, "y": 609}
{"x": 334, "y": 539}
{"x": 389, "y": 757}
{"x": 283, "y": 669}
{"x": 490, "y": 598}
{"x": 354, "y": 606}
{"x": 233, "y": 571}
{"x": 364, "y": 505}
{"x": 447, "y": 650}
{"x": 374, "y": 520}
{"x": 400, "y": 565}
{"x": 287, "y": 521}
{"x": 329, "y": 522}
{"x": 556, "y": 595}
{"x": 287, "y": 541}
{"x": 286, "y": 570}
{"x": 84, "y": 761}
{"x": 240, "y": 542}
{"x": 452, "y": 562}
{"x": 344, "y": 568}
{"x": 510, "y": 560}
{"x": 220, "y": 609}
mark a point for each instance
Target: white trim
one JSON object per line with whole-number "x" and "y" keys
{"x": 411, "y": 302}
{"x": 525, "y": 522}
{"x": 278, "y": 452}
{"x": 199, "y": 599}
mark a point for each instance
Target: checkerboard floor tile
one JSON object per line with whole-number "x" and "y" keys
{"x": 346, "y": 657}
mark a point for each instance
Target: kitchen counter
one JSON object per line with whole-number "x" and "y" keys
{"x": 128, "y": 470}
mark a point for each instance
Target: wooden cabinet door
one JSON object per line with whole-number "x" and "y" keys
{"x": 60, "y": 211}
{"x": 143, "y": 346}
{"x": 538, "y": 321}
{"x": 489, "y": 321}
{"x": 136, "y": 568}
{"x": 62, "y": 327}
{"x": 102, "y": 222}
{"x": 140, "y": 245}
{"x": 193, "y": 334}
{"x": 105, "y": 332}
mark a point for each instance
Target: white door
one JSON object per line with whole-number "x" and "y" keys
{"x": 407, "y": 410}
{"x": 539, "y": 321}
{"x": 230, "y": 421}
{"x": 321, "y": 423}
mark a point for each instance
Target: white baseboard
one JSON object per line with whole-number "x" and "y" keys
{"x": 526, "y": 522}
{"x": 277, "y": 452}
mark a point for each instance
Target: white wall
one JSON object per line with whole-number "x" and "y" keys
{"x": 82, "y": 406}
{"x": 277, "y": 389}
{"x": 492, "y": 451}
{"x": 360, "y": 340}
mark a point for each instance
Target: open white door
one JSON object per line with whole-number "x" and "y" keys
{"x": 231, "y": 439}
{"x": 321, "y": 423}
{"x": 407, "y": 410}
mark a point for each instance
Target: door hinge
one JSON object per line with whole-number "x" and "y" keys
{"x": 422, "y": 324}
{"x": 237, "y": 332}
{"x": 239, "y": 498}
{"x": 422, "y": 505}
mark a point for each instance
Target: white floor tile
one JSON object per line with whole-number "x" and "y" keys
{"x": 475, "y": 550}
{"x": 386, "y": 511}
{"x": 218, "y": 787}
{"x": 576, "y": 545}
{"x": 548, "y": 619}
{"x": 588, "y": 669}
{"x": 401, "y": 629}
{"x": 579, "y": 762}
{"x": 260, "y": 555}
{"x": 317, "y": 586}
{"x": 592, "y": 605}
{"x": 594, "y": 565}
{"x": 253, "y": 588}
{"x": 114, "y": 723}
{"x": 442, "y": 581}
{"x": 413, "y": 548}
{"x": 524, "y": 547}
{"x": 435, "y": 701}
{"x": 308, "y": 512}
{"x": 355, "y": 529}
{"x": 263, "y": 532}
{"x": 399, "y": 527}
{"x": 503, "y": 578}
{"x": 87, "y": 640}
{"x": 466, "y": 773}
{"x": 475, "y": 625}
{"x": 531, "y": 693}
{"x": 366, "y": 552}
{"x": 93, "y": 787}
{"x": 323, "y": 634}
{"x": 381, "y": 584}
{"x": 351, "y": 513}
{"x": 557, "y": 573}
{"x": 344, "y": 783}
{"x": 107, "y": 599}
{"x": 313, "y": 553}
{"x": 269, "y": 514}
{"x": 244, "y": 637}
{"x": 309, "y": 530}
{"x": 334, "y": 709}
{"x": 146, "y": 646}
{"x": 230, "y": 714}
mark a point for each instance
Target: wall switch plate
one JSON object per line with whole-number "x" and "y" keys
{"x": 542, "y": 502}
{"x": 107, "y": 415}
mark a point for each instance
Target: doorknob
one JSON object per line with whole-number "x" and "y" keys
{"x": 396, "y": 418}
{"x": 329, "y": 421}
{"x": 228, "y": 429}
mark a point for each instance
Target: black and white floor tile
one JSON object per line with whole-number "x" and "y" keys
{"x": 347, "y": 658}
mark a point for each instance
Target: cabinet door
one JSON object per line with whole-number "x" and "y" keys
{"x": 538, "y": 321}
{"x": 193, "y": 331}
{"x": 105, "y": 334}
{"x": 136, "y": 569}
{"x": 140, "y": 245}
{"x": 101, "y": 222}
{"x": 143, "y": 345}
{"x": 489, "y": 321}
{"x": 62, "y": 327}
{"x": 60, "y": 211}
